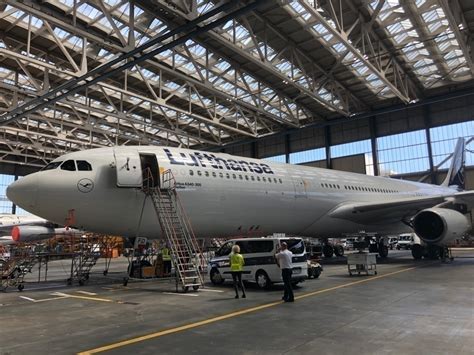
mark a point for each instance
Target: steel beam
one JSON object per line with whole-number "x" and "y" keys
{"x": 342, "y": 36}
{"x": 456, "y": 19}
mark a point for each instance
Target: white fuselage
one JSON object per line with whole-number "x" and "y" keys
{"x": 223, "y": 195}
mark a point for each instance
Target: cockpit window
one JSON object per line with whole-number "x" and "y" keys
{"x": 83, "y": 165}
{"x": 69, "y": 165}
{"x": 52, "y": 165}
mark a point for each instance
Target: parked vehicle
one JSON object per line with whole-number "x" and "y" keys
{"x": 392, "y": 242}
{"x": 260, "y": 264}
{"x": 314, "y": 269}
{"x": 405, "y": 241}
{"x": 349, "y": 243}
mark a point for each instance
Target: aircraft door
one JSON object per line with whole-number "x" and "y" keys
{"x": 129, "y": 170}
{"x": 300, "y": 188}
{"x": 150, "y": 169}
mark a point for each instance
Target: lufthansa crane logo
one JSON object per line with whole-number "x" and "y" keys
{"x": 85, "y": 185}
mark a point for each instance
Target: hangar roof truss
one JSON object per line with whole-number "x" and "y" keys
{"x": 285, "y": 65}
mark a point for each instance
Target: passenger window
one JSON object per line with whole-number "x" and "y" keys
{"x": 221, "y": 175}
{"x": 246, "y": 177}
{"x": 240, "y": 177}
{"x": 252, "y": 178}
{"x": 234, "y": 176}
{"x": 214, "y": 174}
{"x": 83, "y": 165}
{"x": 191, "y": 172}
{"x": 259, "y": 246}
{"x": 275, "y": 180}
{"x": 258, "y": 178}
{"x": 69, "y": 165}
{"x": 263, "y": 179}
{"x": 227, "y": 176}
{"x": 281, "y": 182}
{"x": 199, "y": 172}
{"x": 206, "y": 173}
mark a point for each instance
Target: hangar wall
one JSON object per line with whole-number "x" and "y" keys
{"x": 403, "y": 120}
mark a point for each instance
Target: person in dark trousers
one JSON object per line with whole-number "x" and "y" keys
{"x": 165, "y": 252}
{"x": 284, "y": 261}
{"x": 236, "y": 268}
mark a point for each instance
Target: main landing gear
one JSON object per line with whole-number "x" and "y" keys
{"x": 329, "y": 250}
{"x": 379, "y": 246}
{"x": 433, "y": 252}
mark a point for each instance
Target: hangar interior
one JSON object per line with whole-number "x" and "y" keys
{"x": 377, "y": 87}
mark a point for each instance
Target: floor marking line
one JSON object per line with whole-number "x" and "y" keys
{"x": 28, "y": 298}
{"x": 209, "y": 290}
{"x": 87, "y": 293}
{"x": 50, "y": 299}
{"x": 41, "y": 300}
{"x": 180, "y": 294}
{"x": 87, "y": 298}
{"x": 229, "y": 315}
{"x": 353, "y": 283}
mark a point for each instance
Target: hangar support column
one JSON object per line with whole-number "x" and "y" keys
{"x": 373, "y": 143}
{"x": 287, "y": 148}
{"x": 427, "y": 121}
{"x": 327, "y": 140}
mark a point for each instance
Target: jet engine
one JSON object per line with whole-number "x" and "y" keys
{"x": 440, "y": 225}
{"x": 32, "y": 233}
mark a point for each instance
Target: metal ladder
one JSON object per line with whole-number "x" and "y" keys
{"x": 185, "y": 252}
{"x": 82, "y": 263}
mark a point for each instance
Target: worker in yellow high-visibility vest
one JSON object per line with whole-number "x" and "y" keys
{"x": 165, "y": 253}
{"x": 236, "y": 268}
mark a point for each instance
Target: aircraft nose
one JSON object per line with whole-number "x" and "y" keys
{"x": 24, "y": 191}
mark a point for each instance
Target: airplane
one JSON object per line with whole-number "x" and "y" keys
{"x": 225, "y": 196}
{"x": 22, "y": 229}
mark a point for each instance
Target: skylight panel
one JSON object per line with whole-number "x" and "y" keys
{"x": 300, "y": 10}
{"x": 112, "y": 2}
{"x": 401, "y": 37}
{"x": 420, "y": 3}
{"x": 339, "y": 47}
{"x": 89, "y": 11}
{"x": 222, "y": 65}
{"x": 283, "y": 66}
{"x": 69, "y": 3}
{"x": 61, "y": 33}
{"x": 104, "y": 54}
{"x": 394, "y": 28}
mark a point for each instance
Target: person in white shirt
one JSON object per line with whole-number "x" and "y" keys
{"x": 284, "y": 258}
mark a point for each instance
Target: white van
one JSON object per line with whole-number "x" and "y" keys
{"x": 260, "y": 264}
{"x": 405, "y": 241}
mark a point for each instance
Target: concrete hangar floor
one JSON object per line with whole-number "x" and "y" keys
{"x": 410, "y": 307}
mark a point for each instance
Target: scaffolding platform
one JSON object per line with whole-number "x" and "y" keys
{"x": 14, "y": 268}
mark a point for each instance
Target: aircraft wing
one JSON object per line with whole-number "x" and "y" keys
{"x": 397, "y": 210}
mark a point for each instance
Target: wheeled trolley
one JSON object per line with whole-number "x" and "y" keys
{"x": 362, "y": 263}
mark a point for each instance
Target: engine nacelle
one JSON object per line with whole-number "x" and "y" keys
{"x": 32, "y": 233}
{"x": 440, "y": 225}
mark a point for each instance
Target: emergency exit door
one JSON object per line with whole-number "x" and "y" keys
{"x": 300, "y": 188}
{"x": 128, "y": 166}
